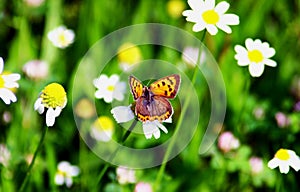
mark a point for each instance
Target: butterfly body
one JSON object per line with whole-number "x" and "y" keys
{"x": 152, "y": 102}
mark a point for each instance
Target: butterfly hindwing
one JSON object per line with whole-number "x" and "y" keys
{"x": 136, "y": 87}
{"x": 166, "y": 87}
{"x": 158, "y": 109}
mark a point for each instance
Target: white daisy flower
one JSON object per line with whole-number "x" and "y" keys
{"x": 8, "y": 81}
{"x": 109, "y": 88}
{"x": 122, "y": 114}
{"x": 65, "y": 173}
{"x": 207, "y": 15}
{"x": 54, "y": 98}
{"x": 151, "y": 128}
{"x": 102, "y": 129}
{"x": 61, "y": 37}
{"x": 284, "y": 158}
{"x": 256, "y": 55}
{"x": 125, "y": 175}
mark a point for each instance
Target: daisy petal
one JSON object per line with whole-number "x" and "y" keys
{"x": 59, "y": 179}
{"x": 224, "y": 27}
{"x": 38, "y": 106}
{"x": 209, "y": 4}
{"x": 270, "y": 63}
{"x": 50, "y": 117}
{"x": 162, "y": 127}
{"x": 7, "y": 96}
{"x": 122, "y": 114}
{"x": 273, "y": 163}
{"x": 222, "y": 7}
{"x": 212, "y": 29}
{"x": 196, "y": 4}
{"x": 284, "y": 168}
{"x": 230, "y": 19}
{"x": 256, "y": 69}
{"x": 198, "y": 27}
{"x": 249, "y": 44}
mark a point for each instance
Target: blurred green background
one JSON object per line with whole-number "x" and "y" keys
{"x": 23, "y": 37}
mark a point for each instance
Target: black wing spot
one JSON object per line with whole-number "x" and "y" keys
{"x": 170, "y": 89}
{"x": 158, "y": 85}
{"x": 163, "y": 83}
{"x": 172, "y": 94}
{"x": 171, "y": 81}
{"x": 166, "y": 92}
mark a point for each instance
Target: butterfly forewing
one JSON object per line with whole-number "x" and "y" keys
{"x": 166, "y": 87}
{"x": 136, "y": 87}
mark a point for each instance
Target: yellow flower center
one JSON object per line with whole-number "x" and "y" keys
{"x": 54, "y": 95}
{"x": 282, "y": 154}
{"x": 129, "y": 53}
{"x": 210, "y": 17}
{"x": 104, "y": 123}
{"x": 62, "y": 39}
{"x": 111, "y": 88}
{"x": 255, "y": 56}
{"x": 2, "y": 82}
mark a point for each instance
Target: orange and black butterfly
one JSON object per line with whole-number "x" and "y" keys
{"x": 152, "y": 102}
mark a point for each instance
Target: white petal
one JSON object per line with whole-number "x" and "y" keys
{"x": 224, "y": 28}
{"x": 7, "y": 96}
{"x": 150, "y": 129}
{"x": 74, "y": 171}
{"x": 108, "y": 97}
{"x": 294, "y": 160}
{"x": 57, "y": 111}
{"x": 114, "y": 79}
{"x": 187, "y": 13}
{"x": 256, "y": 69}
{"x": 59, "y": 179}
{"x": 209, "y": 4}
{"x": 241, "y": 56}
{"x": 1, "y": 65}
{"x": 270, "y": 62}
{"x": 222, "y": 7}
{"x": 156, "y": 134}
{"x": 284, "y": 168}
{"x": 50, "y": 117}
{"x": 122, "y": 114}
{"x": 69, "y": 182}
{"x": 199, "y": 27}
{"x": 38, "y": 106}
{"x": 162, "y": 127}
{"x": 273, "y": 163}
{"x": 169, "y": 120}
{"x": 270, "y": 52}
{"x": 63, "y": 166}
{"x": 212, "y": 29}
{"x": 230, "y": 19}
{"x": 249, "y": 44}
{"x": 11, "y": 84}
{"x": 196, "y": 4}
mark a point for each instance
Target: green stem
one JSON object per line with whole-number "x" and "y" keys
{"x": 126, "y": 135}
{"x": 33, "y": 160}
{"x": 180, "y": 120}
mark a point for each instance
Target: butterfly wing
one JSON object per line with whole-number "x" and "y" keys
{"x": 136, "y": 87}
{"x": 166, "y": 87}
{"x": 158, "y": 108}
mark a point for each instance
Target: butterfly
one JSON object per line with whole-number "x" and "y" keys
{"x": 152, "y": 102}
